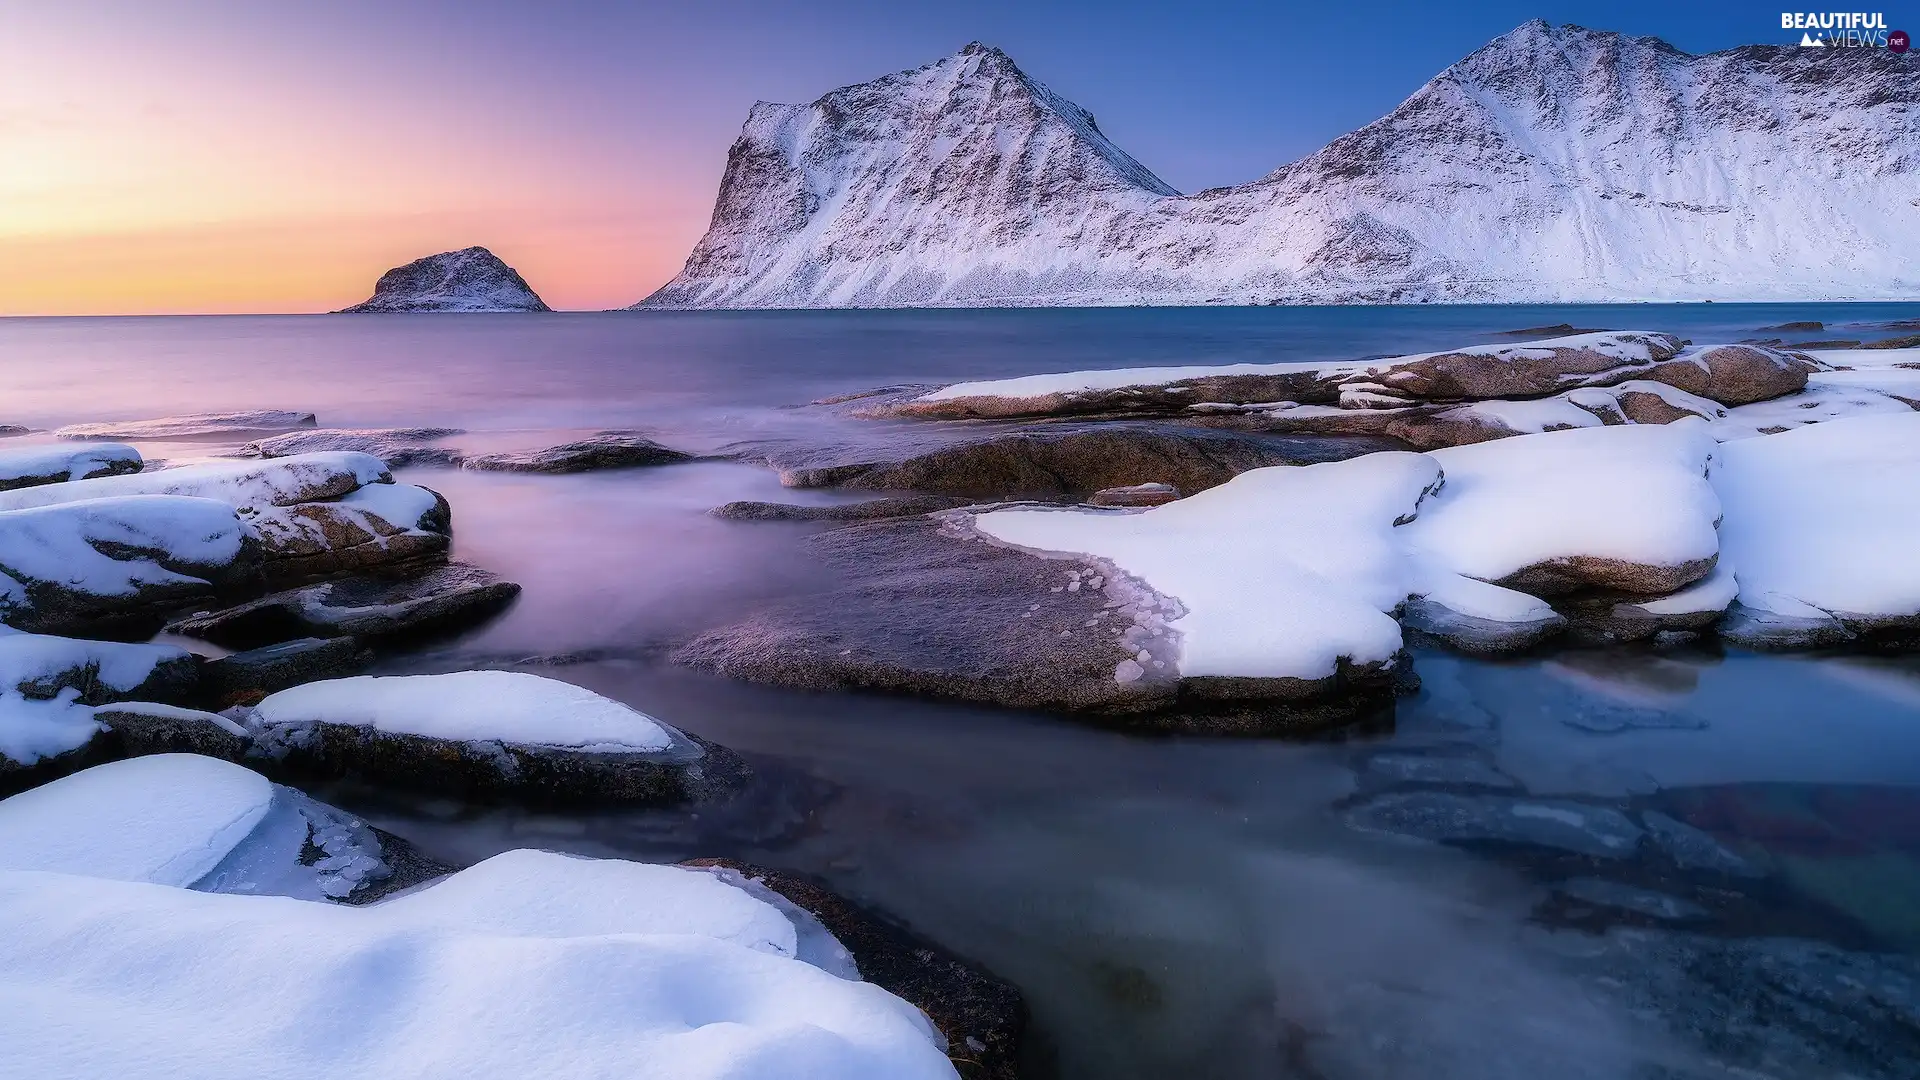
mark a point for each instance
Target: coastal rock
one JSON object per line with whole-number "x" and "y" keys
{"x": 982, "y": 1017}
{"x": 33, "y": 466}
{"x": 226, "y": 425}
{"x": 394, "y": 446}
{"x": 870, "y": 510}
{"x": 1482, "y": 634}
{"x": 1735, "y": 374}
{"x": 111, "y": 567}
{"x": 607, "y": 450}
{"x": 380, "y": 528}
{"x": 1601, "y": 892}
{"x": 143, "y": 728}
{"x": 1819, "y": 526}
{"x": 1152, "y": 494}
{"x": 243, "y": 678}
{"x": 967, "y": 182}
{"x": 1284, "y": 579}
{"x": 48, "y": 686}
{"x": 603, "y": 962}
{"x": 1075, "y": 463}
{"x": 471, "y": 279}
{"x": 193, "y": 822}
{"x": 244, "y": 485}
{"x": 1478, "y": 372}
{"x": 1628, "y": 509}
{"x": 490, "y": 734}
{"x": 446, "y": 599}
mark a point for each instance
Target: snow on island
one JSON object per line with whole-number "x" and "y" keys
{"x": 471, "y": 279}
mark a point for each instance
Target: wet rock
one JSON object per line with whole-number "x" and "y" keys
{"x": 395, "y": 446}
{"x": 1773, "y": 1007}
{"x": 1439, "y": 770}
{"x": 1735, "y": 374}
{"x": 195, "y": 426}
{"x": 142, "y": 728}
{"x": 36, "y": 465}
{"x": 450, "y": 598}
{"x": 1829, "y": 343}
{"x": 1477, "y": 636}
{"x": 1556, "y": 330}
{"x": 1797, "y": 327}
{"x": 917, "y": 610}
{"x": 982, "y": 1017}
{"x": 871, "y": 510}
{"x": 1579, "y": 828}
{"x": 1076, "y": 462}
{"x": 1135, "y": 495}
{"x": 1911, "y": 341}
{"x": 607, "y": 450}
{"x": 1694, "y": 849}
{"x": 243, "y": 678}
{"x": 1613, "y": 894}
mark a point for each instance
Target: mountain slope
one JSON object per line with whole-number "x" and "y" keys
{"x": 471, "y": 279}
{"x": 1553, "y": 164}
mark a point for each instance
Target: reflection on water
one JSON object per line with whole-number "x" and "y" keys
{"x": 1171, "y": 906}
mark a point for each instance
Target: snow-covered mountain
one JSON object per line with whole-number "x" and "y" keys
{"x": 1553, "y": 164}
{"x": 471, "y": 279}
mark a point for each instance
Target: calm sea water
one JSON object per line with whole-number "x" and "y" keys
{"x": 1184, "y": 906}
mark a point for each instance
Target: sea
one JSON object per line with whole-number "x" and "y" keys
{"x": 1169, "y": 906}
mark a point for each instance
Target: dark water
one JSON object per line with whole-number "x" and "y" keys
{"x": 1172, "y": 907}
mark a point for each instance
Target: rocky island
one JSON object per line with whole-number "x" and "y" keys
{"x": 471, "y": 279}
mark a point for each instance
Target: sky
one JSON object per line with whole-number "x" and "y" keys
{"x": 178, "y": 156}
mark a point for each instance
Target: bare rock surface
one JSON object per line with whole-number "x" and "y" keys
{"x": 195, "y": 426}
{"x": 607, "y": 450}
{"x": 1075, "y": 462}
{"x": 395, "y": 446}
{"x": 869, "y": 510}
{"x": 447, "y": 598}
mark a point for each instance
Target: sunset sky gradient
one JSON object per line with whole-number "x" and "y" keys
{"x": 275, "y": 157}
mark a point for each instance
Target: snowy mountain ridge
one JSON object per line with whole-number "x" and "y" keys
{"x": 1554, "y": 164}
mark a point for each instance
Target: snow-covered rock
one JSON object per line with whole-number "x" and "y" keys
{"x": 251, "y": 485}
{"x": 487, "y": 732}
{"x": 314, "y": 514}
{"x": 194, "y": 426}
{"x": 1618, "y": 508}
{"x": 395, "y": 446}
{"x": 50, "y": 685}
{"x": 113, "y": 563}
{"x": 1280, "y": 574}
{"x": 471, "y": 279}
{"x": 191, "y": 822}
{"x": 1819, "y": 531}
{"x": 1554, "y": 164}
{"x": 31, "y": 466}
{"x": 527, "y": 965}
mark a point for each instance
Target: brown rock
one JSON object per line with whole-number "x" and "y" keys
{"x": 312, "y": 540}
{"x": 1558, "y": 577}
{"x": 1735, "y": 374}
{"x": 607, "y": 450}
{"x": 446, "y": 599}
{"x": 1509, "y": 371}
{"x": 871, "y": 510}
{"x": 1075, "y": 463}
{"x": 1136, "y": 495}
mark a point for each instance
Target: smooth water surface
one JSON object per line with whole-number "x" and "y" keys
{"x": 1171, "y": 906}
